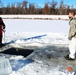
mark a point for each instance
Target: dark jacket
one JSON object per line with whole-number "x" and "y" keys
{"x": 2, "y": 26}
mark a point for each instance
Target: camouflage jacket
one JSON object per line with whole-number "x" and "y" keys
{"x": 72, "y": 30}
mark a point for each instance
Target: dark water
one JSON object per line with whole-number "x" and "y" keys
{"x": 17, "y": 51}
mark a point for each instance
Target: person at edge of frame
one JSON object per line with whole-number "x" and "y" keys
{"x": 2, "y": 28}
{"x": 72, "y": 36}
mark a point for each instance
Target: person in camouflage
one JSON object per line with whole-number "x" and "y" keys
{"x": 72, "y": 36}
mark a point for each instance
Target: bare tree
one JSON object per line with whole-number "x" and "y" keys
{"x": 19, "y": 8}
{"x": 31, "y": 8}
{"x": 36, "y": 10}
{"x": 67, "y": 9}
{"x": 24, "y": 7}
{"x": 13, "y": 10}
{"x": 61, "y": 7}
{"x": 1, "y": 7}
{"x": 53, "y": 5}
{"x": 8, "y": 8}
{"x": 1, "y": 4}
{"x": 46, "y": 9}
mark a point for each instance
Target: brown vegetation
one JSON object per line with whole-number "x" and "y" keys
{"x": 24, "y": 7}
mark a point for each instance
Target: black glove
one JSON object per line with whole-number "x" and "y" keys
{"x": 4, "y": 27}
{"x": 70, "y": 38}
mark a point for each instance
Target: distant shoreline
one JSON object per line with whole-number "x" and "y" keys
{"x": 36, "y": 17}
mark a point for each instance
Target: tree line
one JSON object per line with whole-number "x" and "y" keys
{"x": 24, "y": 7}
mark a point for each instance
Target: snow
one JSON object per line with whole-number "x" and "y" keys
{"x": 56, "y": 31}
{"x": 49, "y": 39}
{"x": 22, "y": 25}
{"x": 31, "y": 70}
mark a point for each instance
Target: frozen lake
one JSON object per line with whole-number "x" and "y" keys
{"x": 23, "y": 25}
{"x": 48, "y": 59}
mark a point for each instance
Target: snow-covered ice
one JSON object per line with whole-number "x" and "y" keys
{"x": 55, "y": 43}
{"x": 22, "y": 25}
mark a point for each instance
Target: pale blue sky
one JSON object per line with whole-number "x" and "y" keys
{"x": 41, "y": 2}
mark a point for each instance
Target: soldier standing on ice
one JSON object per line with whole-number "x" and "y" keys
{"x": 72, "y": 36}
{"x": 2, "y": 27}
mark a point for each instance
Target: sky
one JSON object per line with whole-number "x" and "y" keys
{"x": 40, "y": 2}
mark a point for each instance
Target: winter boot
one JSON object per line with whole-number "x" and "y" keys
{"x": 1, "y": 42}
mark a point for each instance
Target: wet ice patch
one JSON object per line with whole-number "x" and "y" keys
{"x": 19, "y": 63}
